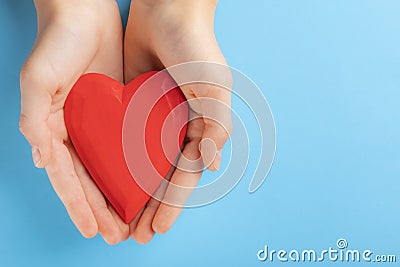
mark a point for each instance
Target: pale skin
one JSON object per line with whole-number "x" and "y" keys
{"x": 81, "y": 36}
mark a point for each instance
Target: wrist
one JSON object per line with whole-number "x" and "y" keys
{"x": 62, "y": 6}
{"x": 72, "y": 11}
{"x": 178, "y": 10}
{"x": 156, "y": 3}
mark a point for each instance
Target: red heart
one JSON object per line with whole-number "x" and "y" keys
{"x": 94, "y": 116}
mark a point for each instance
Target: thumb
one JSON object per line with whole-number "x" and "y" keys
{"x": 213, "y": 140}
{"x": 216, "y": 113}
{"x": 35, "y": 110}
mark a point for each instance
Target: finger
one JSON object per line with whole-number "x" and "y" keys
{"x": 216, "y": 112}
{"x": 124, "y": 228}
{"x": 66, "y": 184}
{"x": 55, "y": 63}
{"x": 143, "y": 231}
{"x": 35, "y": 110}
{"x": 134, "y": 222}
{"x": 213, "y": 139}
{"x": 166, "y": 213}
{"x": 108, "y": 227}
{"x": 212, "y": 101}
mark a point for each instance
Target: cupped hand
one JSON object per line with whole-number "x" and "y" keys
{"x": 161, "y": 34}
{"x": 74, "y": 37}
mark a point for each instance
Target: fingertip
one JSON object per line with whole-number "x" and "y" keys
{"x": 215, "y": 166}
{"x": 143, "y": 232}
{"x": 124, "y": 234}
{"x": 208, "y": 152}
{"x": 124, "y": 228}
{"x": 160, "y": 227}
{"x": 112, "y": 235}
{"x": 41, "y": 143}
{"x": 44, "y": 161}
{"x": 89, "y": 232}
{"x": 91, "y": 228}
{"x": 36, "y": 157}
{"x": 84, "y": 220}
{"x": 112, "y": 239}
{"x": 143, "y": 237}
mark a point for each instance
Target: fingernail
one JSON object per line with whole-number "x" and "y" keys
{"x": 217, "y": 160}
{"x": 36, "y": 156}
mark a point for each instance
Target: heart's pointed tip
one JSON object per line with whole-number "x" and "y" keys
{"x": 94, "y": 120}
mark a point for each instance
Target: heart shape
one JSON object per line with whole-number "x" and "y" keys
{"x": 95, "y": 112}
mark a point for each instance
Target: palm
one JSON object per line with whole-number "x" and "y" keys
{"x": 155, "y": 40}
{"x": 68, "y": 46}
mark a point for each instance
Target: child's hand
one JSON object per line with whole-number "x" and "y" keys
{"x": 165, "y": 33}
{"x": 74, "y": 37}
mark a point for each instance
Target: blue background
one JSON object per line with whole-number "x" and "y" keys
{"x": 331, "y": 73}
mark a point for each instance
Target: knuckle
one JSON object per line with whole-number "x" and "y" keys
{"x": 29, "y": 74}
{"x": 38, "y": 76}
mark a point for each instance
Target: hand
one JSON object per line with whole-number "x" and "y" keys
{"x": 74, "y": 37}
{"x": 162, "y": 34}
